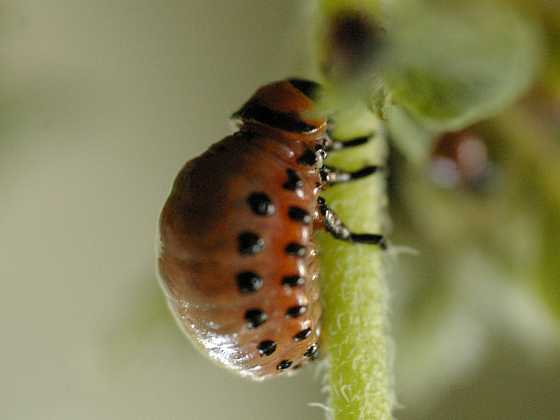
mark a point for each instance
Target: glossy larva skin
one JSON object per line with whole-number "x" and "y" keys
{"x": 237, "y": 259}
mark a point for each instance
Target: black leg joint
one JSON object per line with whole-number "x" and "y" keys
{"x": 369, "y": 238}
{"x": 330, "y": 175}
{"x": 334, "y": 145}
{"x": 338, "y": 230}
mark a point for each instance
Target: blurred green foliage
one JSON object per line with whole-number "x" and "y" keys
{"x": 489, "y": 259}
{"x": 104, "y": 101}
{"x": 453, "y": 63}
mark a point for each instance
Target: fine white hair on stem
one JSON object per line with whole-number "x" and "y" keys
{"x": 397, "y": 250}
{"x": 326, "y": 409}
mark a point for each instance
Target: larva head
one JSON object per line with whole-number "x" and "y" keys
{"x": 286, "y": 107}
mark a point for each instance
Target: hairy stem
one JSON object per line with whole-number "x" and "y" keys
{"x": 353, "y": 285}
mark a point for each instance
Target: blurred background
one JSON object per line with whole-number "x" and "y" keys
{"x": 102, "y": 103}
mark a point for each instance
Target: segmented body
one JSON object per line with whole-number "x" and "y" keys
{"x": 237, "y": 259}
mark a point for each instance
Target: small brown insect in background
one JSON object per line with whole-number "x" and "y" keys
{"x": 460, "y": 160}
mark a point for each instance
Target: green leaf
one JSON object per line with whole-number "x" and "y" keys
{"x": 410, "y": 138}
{"x": 453, "y": 64}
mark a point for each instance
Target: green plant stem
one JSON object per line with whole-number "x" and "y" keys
{"x": 353, "y": 285}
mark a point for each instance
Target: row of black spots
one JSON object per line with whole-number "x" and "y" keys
{"x": 251, "y": 282}
{"x": 311, "y": 353}
{"x": 268, "y": 347}
{"x": 250, "y": 243}
{"x": 256, "y": 317}
{"x": 295, "y": 183}
{"x": 297, "y": 214}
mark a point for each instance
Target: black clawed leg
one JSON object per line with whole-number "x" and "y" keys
{"x": 369, "y": 238}
{"x": 332, "y": 176}
{"x": 334, "y": 145}
{"x": 338, "y": 230}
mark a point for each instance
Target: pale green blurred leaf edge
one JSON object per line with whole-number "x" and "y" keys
{"x": 465, "y": 67}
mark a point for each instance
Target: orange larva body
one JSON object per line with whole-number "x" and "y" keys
{"x": 237, "y": 259}
{"x": 237, "y": 256}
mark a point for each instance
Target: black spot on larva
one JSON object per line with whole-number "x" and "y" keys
{"x": 307, "y": 87}
{"x": 254, "y": 111}
{"x": 255, "y": 317}
{"x": 284, "y": 364}
{"x": 294, "y": 182}
{"x": 249, "y": 282}
{"x": 295, "y": 249}
{"x": 302, "y": 335}
{"x": 261, "y": 204}
{"x": 312, "y": 351}
{"x": 308, "y": 158}
{"x": 250, "y": 243}
{"x": 296, "y": 311}
{"x": 293, "y": 281}
{"x": 266, "y": 347}
{"x": 299, "y": 215}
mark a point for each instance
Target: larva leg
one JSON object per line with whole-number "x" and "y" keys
{"x": 332, "y": 223}
{"x": 331, "y": 176}
{"x": 332, "y": 145}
